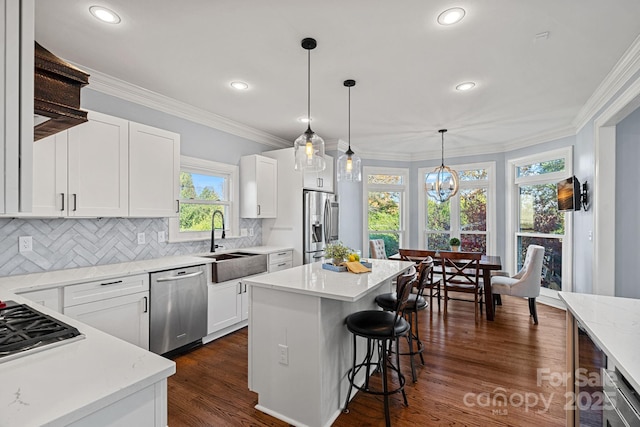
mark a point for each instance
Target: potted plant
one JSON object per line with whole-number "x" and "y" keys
{"x": 454, "y": 242}
{"x": 338, "y": 252}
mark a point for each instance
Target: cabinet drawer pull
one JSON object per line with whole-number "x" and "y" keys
{"x": 283, "y": 264}
{"x": 282, "y": 253}
{"x": 146, "y": 305}
{"x": 62, "y": 208}
{"x": 111, "y": 283}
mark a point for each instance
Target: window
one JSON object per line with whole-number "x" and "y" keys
{"x": 385, "y": 213}
{"x": 469, "y": 215}
{"x": 535, "y": 219}
{"x": 205, "y": 187}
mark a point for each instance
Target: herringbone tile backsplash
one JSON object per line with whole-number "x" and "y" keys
{"x": 71, "y": 243}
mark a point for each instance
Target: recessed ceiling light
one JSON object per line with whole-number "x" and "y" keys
{"x": 305, "y": 119}
{"x": 239, "y": 85}
{"x": 451, "y": 16}
{"x": 465, "y": 86}
{"x": 104, "y": 14}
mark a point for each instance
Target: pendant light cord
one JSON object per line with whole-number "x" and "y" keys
{"x": 349, "y": 118}
{"x": 442, "y": 149}
{"x": 309, "y": 89}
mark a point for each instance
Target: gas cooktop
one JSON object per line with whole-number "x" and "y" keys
{"x": 24, "y": 330}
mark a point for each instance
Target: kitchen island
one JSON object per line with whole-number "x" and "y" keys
{"x": 299, "y": 347}
{"x": 612, "y": 324}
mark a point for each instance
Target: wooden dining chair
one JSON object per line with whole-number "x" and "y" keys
{"x": 461, "y": 273}
{"x": 433, "y": 281}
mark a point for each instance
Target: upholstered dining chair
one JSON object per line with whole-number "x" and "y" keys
{"x": 377, "y": 249}
{"x": 526, "y": 283}
{"x": 461, "y": 273}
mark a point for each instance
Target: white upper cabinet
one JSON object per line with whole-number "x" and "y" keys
{"x": 154, "y": 171}
{"x": 106, "y": 167}
{"x": 50, "y": 194}
{"x": 83, "y": 171}
{"x": 320, "y": 181}
{"x": 98, "y": 167}
{"x": 258, "y": 187}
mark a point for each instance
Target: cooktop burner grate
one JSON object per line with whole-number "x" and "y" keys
{"x": 23, "y": 328}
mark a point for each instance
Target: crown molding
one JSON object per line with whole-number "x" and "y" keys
{"x": 119, "y": 88}
{"x": 472, "y": 151}
{"x": 541, "y": 138}
{"x": 625, "y": 68}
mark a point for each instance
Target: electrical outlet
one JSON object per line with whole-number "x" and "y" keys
{"x": 283, "y": 357}
{"x": 25, "y": 244}
{"x": 141, "y": 238}
{"x": 162, "y": 237}
{"x": 251, "y": 232}
{"x": 244, "y": 232}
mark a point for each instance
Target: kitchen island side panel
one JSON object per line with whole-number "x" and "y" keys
{"x": 311, "y": 389}
{"x": 287, "y": 391}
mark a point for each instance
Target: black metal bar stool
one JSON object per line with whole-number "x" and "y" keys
{"x": 381, "y": 329}
{"x": 415, "y": 303}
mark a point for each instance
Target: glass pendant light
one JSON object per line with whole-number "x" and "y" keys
{"x": 309, "y": 148}
{"x": 443, "y": 182}
{"x": 349, "y": 164}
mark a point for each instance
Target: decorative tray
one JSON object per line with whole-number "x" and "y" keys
{"x": 342, "y": 268}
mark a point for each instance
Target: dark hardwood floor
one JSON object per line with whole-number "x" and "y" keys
{"x": 470, "y": 371}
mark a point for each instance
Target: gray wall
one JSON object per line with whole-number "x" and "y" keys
{"x": 627, "y": 205}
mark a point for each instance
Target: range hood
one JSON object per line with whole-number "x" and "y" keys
{"x": 56, "y": 90}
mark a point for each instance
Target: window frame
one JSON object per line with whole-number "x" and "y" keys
{"x": 209, "y": 167}
{"x": 513, "y": 211}
{"x": 404, "y": 189}
{"x": 455, "y": 231}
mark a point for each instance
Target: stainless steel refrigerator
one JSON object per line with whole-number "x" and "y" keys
{"x": 320, "y": 224}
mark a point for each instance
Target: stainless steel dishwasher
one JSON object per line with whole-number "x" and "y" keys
{"x": 178, "y": 308}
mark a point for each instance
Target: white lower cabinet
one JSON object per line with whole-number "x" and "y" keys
{"x": 147, "y": 407}
{"x": 280, "y": 261}
{"x": 49, "y": 298}
{"x": 225, "y": 305}
{"x": 119, "y": 307}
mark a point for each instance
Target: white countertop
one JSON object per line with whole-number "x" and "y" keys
{"x": 60, "y": 385}
{"x": 50, "y": 279}
{"x": 312, "y": 279}
{"x": 614, "y": 325}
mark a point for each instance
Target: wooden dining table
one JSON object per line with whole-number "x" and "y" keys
{"x": 488, "y": 263}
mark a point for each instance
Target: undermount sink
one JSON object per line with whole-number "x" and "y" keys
{"x": 232, "y": 265}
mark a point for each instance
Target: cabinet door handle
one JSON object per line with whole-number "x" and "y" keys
{"x": 146, "y": 305}
{"x": 177, "y": 206}
{"x": 75, "y": 202}
{"x": 239, "y": 288}
{"x": 179, "y": 276}
{"x": 319, "y": 182}
{"x": 258, "y": 209}
{"x": 62, "y": 195}
{"x": 111, "y": 283}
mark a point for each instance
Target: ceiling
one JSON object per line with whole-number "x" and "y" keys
{"x": 405, "y": 64}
